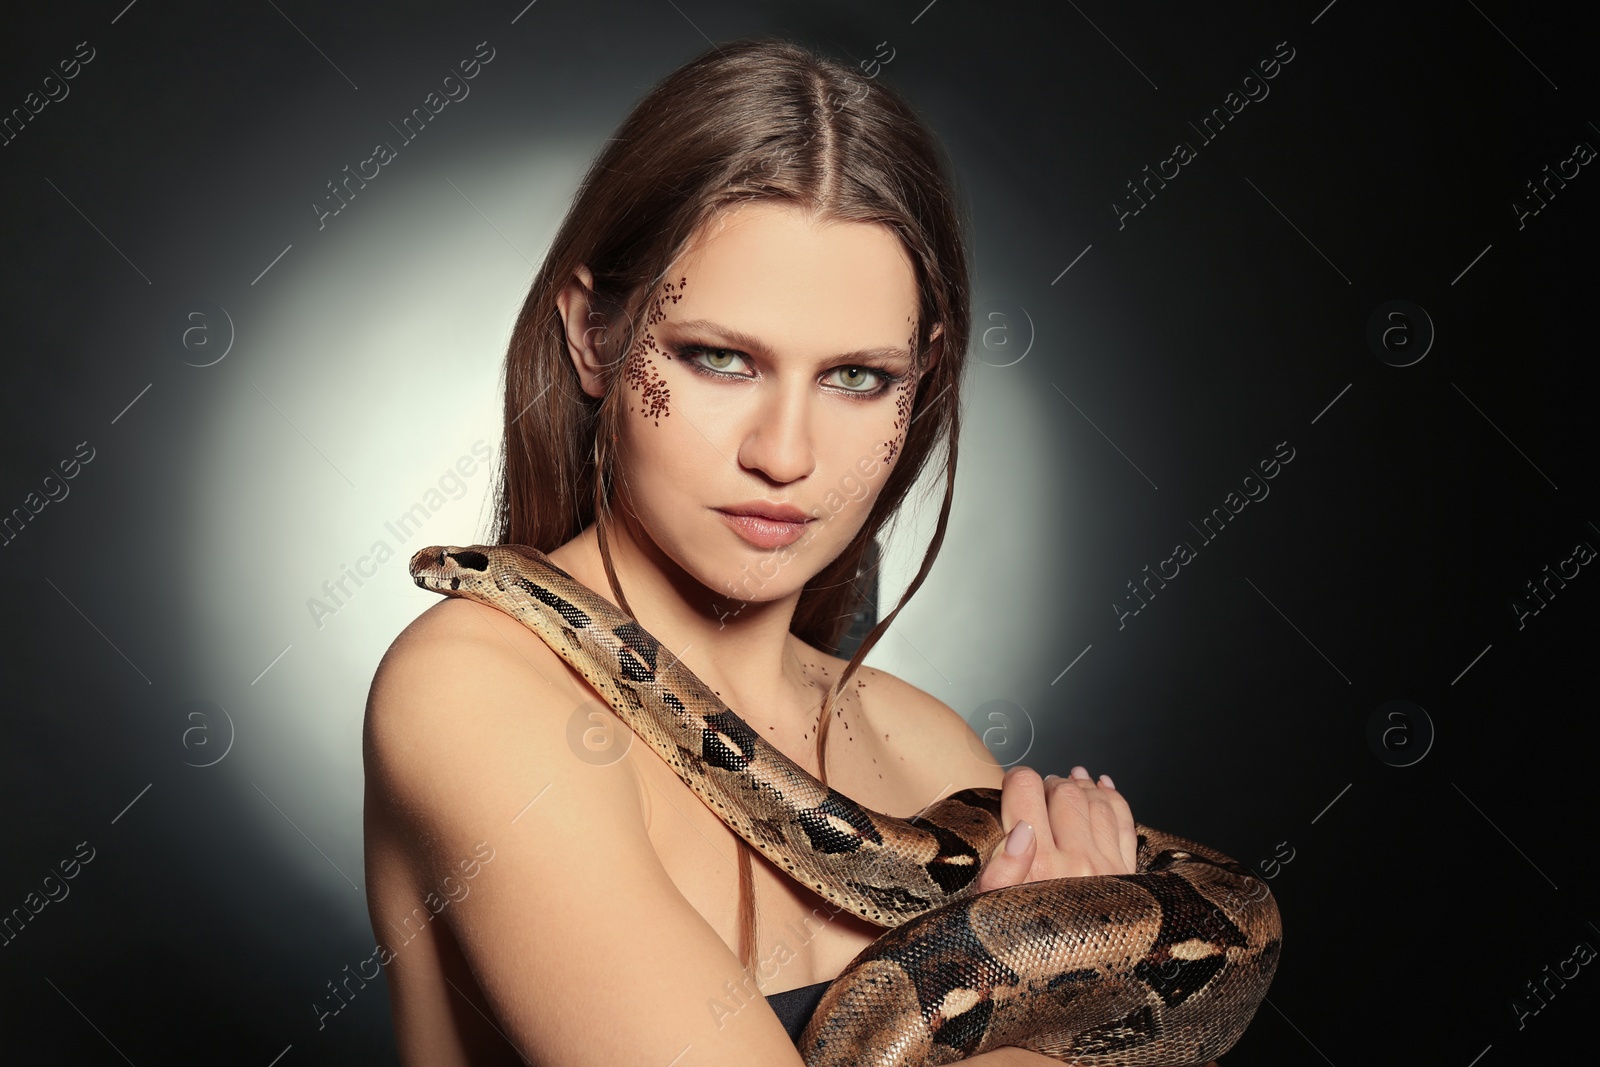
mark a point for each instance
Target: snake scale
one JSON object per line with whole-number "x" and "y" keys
{"x": 1163, "y": 966}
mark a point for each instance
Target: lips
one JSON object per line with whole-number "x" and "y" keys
{"x": 762, "y": 509}
{"x": 765, "y": 525}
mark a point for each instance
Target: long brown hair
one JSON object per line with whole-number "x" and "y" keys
{"x": 759, "y": 119}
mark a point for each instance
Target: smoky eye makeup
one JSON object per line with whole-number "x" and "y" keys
{"x": 694, "y": 356}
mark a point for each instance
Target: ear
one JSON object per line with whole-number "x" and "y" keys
{"x": 935, "y": 347}
{"x": 584, "y": 331}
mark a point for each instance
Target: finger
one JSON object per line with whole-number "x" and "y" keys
{"x": 1012, "y": 859}
{"x": 1105, "y": 838}
{"x": 1069, "y": 816}
{"x": 1127, "y": 836}
{"x": 1022, "y": 799}
{"x": 1107, "y": 834}
{"x": 1105, "y": 808}
{"x": 1083, "y": 824}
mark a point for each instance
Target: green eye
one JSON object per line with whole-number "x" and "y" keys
{"x": 713, "y": 360}
{"x": 860, "y": 372}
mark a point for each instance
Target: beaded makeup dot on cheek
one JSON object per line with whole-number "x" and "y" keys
{"x": 905, "y": 393}
{"x": 640, "y": 371}
{"x": 902, "y": 419}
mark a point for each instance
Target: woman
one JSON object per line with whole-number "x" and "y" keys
{"x": 744, "y": 344}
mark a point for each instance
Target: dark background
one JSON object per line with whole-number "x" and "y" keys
{"x": 1436, "y": 868}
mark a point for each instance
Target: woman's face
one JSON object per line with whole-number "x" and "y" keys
{"x": 774, "y": 371}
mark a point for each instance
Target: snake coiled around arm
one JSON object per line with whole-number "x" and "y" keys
{"x": 1165, "y": 966}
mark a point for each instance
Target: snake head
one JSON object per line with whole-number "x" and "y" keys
{"x": 445, "y": 568}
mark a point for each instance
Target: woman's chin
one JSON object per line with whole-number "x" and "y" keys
{"x": 753, "y": 576}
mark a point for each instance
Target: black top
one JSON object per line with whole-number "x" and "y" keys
{"x": 795, "y": 1006}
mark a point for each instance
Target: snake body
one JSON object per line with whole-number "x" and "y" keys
{"x": 1164, "y": 966}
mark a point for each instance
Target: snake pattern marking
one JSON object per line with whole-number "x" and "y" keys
{"x": 1162, "y": 967}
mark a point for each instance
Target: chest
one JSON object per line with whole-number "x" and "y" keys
{"x": 801, "y": 938}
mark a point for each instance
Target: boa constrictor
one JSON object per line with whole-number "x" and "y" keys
{"x": 1165, "y": 966}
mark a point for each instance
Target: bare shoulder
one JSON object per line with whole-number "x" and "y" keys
{"x": 930, "y": 733}
{"x": 459, "y": 655}
{"x": 436, "y": 641}
{"x": 468, "y": 711}
{"x": 928, "y": 741}
{"x": 468, "y": 756}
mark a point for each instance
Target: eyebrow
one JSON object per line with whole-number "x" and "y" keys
{"x": 740, "y": 339}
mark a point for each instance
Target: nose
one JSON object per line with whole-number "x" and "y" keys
{"x": 778, "y": 441}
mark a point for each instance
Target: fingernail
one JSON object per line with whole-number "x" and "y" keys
{"x": 1079, "y": 772}
{"x": 1051, "y": 777}
{"x": 1106, "y": 779}
{"x": 1018, "y": 840}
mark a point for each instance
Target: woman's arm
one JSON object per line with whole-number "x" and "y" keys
{"x": 583, "y": 946}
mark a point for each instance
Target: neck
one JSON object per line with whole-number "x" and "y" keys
{"x": 743, "y": 650}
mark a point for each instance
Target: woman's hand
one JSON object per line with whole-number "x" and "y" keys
{"x": 1076, "y": 826}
